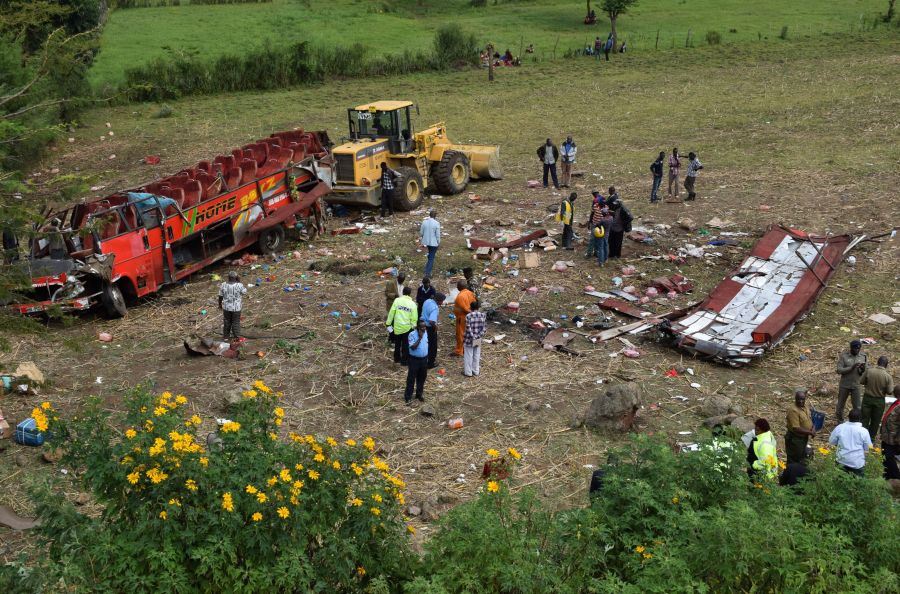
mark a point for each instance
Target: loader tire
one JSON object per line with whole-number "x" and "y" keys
{"x": 409, "y": 190}
{"x": 113, "y": 301}
{"x": 271, "y": 240}
{"x": 452, "y": 173}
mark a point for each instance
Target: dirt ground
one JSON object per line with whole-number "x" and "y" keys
{"x": 341, "y": 381}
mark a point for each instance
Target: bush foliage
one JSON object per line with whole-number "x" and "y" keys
{"x": 254, "y": 512}
{"x": 276, "y": 67}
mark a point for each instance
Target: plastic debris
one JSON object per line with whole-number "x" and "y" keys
{"x": 456, "y": 423}
{"x": 105, "y": 337}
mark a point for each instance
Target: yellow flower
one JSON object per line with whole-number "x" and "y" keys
{"x": 148, "y": 425}
{"x": 375, "y": 511}
{"x": 134, "y": 477}
{"x": 493, "y": 453}
{"x": 160, "y": 411}
{"x": 156, "y": 475}
{"x": 191, "y": 485}
{"x": 350, "y": 442}
{"x": 231, "y": 427}
{"x": 273, "y": 436}
{"x": 175, "y": 502}
{"x": 261, "y": 497}
{"x": 259, "y": 385}
{"x": 298, "y": 466}
{"x": 648, "y": 555}
{"x": 45, "y": 405}
{"x": 330, "y": 441}
{"x": 283, "y": 512}
{"x": 369, "y": 444}
{"x": 130, "y": 433}
{"x": 675, "y": 500}
{"x": 285, "y": 475}
{"x": 180, "y": 399}
{"x": 356, "y": 469}
{"x": 356, "y": 502}
{"x": 272, "y": 481}
{"x": 824, "y": 451}
{"x": 410, "y": 529}
{"x": 40, "y": 419}
{"x": 204, "y": 461}
{"x": 313, "y": 475}
{"x": 279, "y": 412}
{"x": 278, "y": 422}
{"x": 360, "y": 571}
{"x": 639, "y": 549}
{"x": 227, "y": 502}
{"x": 158, "y": 447}
{"x": 336, "y": 465}
{"x": 377, "y": 497}
{"x": 379, "y": 464}
{"x": 514, "y": 453}
{"x": 319, "y": 458}
{"x": 493, "y": 486}
{"x": 163, "y": 515}
{"x": 400, "y": 498}
{"x": 782, "y": 465}
{"x": 256, "y": 517}
{"x": 195, "y": 420}
{"x": 876, "y": 450}
{"x": 250, "y": 394}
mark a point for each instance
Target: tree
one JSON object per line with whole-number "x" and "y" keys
{"x": 614, "y": 9}
{"x": 889, "y": 15}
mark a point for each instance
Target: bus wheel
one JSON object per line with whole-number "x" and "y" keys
{"x": 271, "y": 240}
{"x": 113, "y": 301}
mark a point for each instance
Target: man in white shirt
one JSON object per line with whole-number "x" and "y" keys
{"x": 852, "y": 441}
{"x": 231, "y": 295}
{"x": 568, "y": 152}
{"x": 430, "y": 236}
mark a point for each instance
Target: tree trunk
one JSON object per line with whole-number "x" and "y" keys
{"x": 887, "y": 18}
{"x": 612, "y": 28}
{"x": 589, "y": 6}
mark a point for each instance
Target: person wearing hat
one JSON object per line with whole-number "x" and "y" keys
{"x": 799, "y": 428}
{"x": 850, "y": 366}
{"x": 231, "y": 294}
{"x": 878, "y": 385}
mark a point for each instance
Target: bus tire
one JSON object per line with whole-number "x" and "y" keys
{"x": 271, "y": 240}
{"x": 113, "y": 301}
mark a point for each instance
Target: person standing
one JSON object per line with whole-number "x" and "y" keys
{"x": 608, "y": 46}
{"x": 388, "y": 176}
{"x": 799, "y": 428}
{"x": 564, "y": 215}
{"x": 400, "y": 320}
{"x": 424, "y": 292}
{"x": 878, "y": 385}
{"x": 472, "y": 283}
{"x": 762, "y": 455}
{"x": 417, "y": 367}
{"x": 393, "y": 288}
{"x": 430, "y": 311}
{"x": 569, "y": 151}
{"x": 462, "y": 306}
{"x": 476, "y": 325}
{"x": 690, "y": 179}
{"x": 549, "y": 155}
{"x": 605, "y": 225}
{"x": 592, "y": 222}
{"x": 890, "y": 438}
{"x": 430, "y": 236}
{"x": 850, "y": 366}
{"x": 598, "y": 47}
{"x": 674, "y": 170}
{"x": 852, "y": 441}
{"x": 231, "y": 294}
{"x": 656, "y": 168}
{"x": 621, "y": 224}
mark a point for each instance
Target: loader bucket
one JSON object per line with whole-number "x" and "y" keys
{"x": 483, "y": 159}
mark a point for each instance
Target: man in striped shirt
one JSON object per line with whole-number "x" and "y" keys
{"x": 476, "y": 324}
{"x": 694, "y": 166}
{"x": 231, "y": 295}
{"x": 387, "y": 189}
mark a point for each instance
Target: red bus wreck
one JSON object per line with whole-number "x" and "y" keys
{"x": 127, "y": 245}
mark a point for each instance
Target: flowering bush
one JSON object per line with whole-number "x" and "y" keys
{"x": 249, "y": 512}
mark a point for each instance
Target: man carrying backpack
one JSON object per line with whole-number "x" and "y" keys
{"x": 657, "y": 169}
{"x": 621, "y": 223}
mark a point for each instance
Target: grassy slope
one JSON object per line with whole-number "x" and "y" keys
{"x": 133, "y": 36}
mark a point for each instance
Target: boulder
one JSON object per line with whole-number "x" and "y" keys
{"x": 232, "y": 397}
{"x": 742, "y": 424}
{"x": 82, "y": 499}
{"x": 687, "y": 224}
{"x": 427, "y": 410}
{"x": 533, "y": 406}
{"x": 448, "y": 498}
{"x": 716, "y": 406}
{"x": 414, "y": 511}
{"x": 29, "y": 370}
{"x": 615, "y": 408}
{"x": 719, "y": 420}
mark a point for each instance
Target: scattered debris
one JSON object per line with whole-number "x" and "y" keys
{"x": 718, "y": 223}
{"x": 883, "y": 319}
{"x": 28, "y": 434}
{"x": 563, "y": 265}
{"x": 29, "y": 370}
{"x": 105, "y": 337}
{"x": 675, "y": 283}
{"x": 624, "y": 308}
{"x": 531, "y": 260}
{"x": 473, "y": 244}
{"x": 456, "y": 423}
{"x": 205, "y": 347}
{"x": 559, "y": 340}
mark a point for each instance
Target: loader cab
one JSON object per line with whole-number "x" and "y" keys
{"x": 388, "y": 120}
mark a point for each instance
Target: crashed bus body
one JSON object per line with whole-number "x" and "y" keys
{"x": 132, "y": 243}
{"x": 757, "y": 306}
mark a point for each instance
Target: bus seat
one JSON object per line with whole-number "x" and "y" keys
{"x": 248, "y": 171}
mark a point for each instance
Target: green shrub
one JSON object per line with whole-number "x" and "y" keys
{"x": 249, "y": 512}
{"x": 713, "y": 38}
{"x": 453, "y": 47}
{"x": 784, "y": 32}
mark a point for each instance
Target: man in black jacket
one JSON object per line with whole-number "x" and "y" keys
{"x": 657, "y": 169}
{"x": 549, "y": 155}
{"x": 621, "y": 223}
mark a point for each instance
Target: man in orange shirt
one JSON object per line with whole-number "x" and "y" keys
{"x": 461, "y": 307}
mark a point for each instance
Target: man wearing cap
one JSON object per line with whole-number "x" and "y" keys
{"x": 430, "y": 311}
{"x": 799, "y": 428}
{"x": 231, "y": 294}
{"x": 879, "y": 384}
{"x": 850, "y": 366}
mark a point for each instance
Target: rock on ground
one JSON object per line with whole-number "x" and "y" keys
{"x": 614, "y": 409}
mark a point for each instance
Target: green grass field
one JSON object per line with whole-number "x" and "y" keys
{"x": 133, "y": 36}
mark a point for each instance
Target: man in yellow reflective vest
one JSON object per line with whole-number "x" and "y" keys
{"x": 564, "y": 215}
{"x": 401, "y": 319}
{"x": 761, "y": 454}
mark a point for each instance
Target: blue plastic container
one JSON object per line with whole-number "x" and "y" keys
{"x": 818, "y": 419}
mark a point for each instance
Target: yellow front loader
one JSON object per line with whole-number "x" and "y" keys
{"x": 382, "y": 132}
